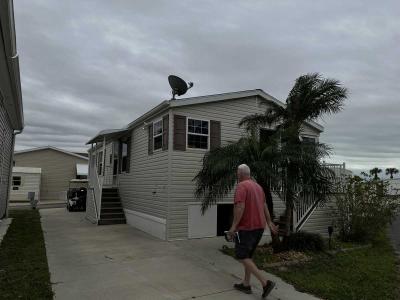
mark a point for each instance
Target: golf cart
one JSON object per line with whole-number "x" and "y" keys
{"x": 76, "y": 194}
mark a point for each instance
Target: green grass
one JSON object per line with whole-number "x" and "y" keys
{"x": 359, "y": 274}
{"x": 370, "y": 273}
{"x": 24, "y": 273}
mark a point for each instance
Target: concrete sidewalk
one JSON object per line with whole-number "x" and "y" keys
{"x": 4, "y": 224}
{"x": 119, "y": 262}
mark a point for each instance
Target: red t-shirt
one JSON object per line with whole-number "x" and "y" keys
{"x": 252, "y": 195}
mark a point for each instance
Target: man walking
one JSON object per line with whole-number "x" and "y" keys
{"x": 250, "y": 218}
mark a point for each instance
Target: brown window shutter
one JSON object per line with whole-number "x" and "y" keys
{"x": 179, "y": 133}
{"x": 119, "y": 156}
{"x": 165, "y": 132}
{"x": 150, "y": 150}
{"x": 128, "y": 155}
{"x": 215, "y": 134}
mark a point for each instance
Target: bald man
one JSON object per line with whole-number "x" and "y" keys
{"x": 251, "y": 216}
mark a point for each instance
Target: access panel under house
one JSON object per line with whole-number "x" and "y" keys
{"x": 152, "y": 161}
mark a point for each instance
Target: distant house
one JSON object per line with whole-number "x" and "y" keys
{"x": 57, "y": 166}
{"x": 23, "y": 181}
{"x": 11, "y": 111}
{"x": 149, "y": 165}
{"x": 394, "y": 186}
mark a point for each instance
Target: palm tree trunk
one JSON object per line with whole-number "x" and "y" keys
{"x": 289, "y": 212}
{"x": 270, "y": 205}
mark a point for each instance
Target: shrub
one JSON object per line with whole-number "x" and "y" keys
{"x": 364, "y": 209}
{"x": 303, "y": 241}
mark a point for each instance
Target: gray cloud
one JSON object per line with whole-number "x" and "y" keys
{"x": 91, "y": 65}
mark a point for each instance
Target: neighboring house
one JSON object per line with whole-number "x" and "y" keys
{"x": 25, "y": 180}
{"x": 58, "y": 168}
{"x": 11, "y": 111}
{"x": 394, "y": 186}
{"x": 150, "y": 164}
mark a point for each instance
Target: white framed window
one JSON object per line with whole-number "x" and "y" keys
{"x": 100, "y": 163}
{"x": 198, "y": 134}
{"x": 308, "y": 139}
{"x": 265, "y": 134}
{"x": 125, "y": 156}
{"x": 157, "y": 135}
{"x": 16, "y": 182}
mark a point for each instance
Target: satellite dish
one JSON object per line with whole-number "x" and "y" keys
{"x": 178, "y": 85}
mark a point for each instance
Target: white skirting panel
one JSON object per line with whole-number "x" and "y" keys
{"x": 152, "y": 225}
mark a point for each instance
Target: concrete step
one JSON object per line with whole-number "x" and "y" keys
{"x": 112, "y": 221}
{"x": 112, "y": 210}
{"x": 110, "y": 199}
{"x": 116, "y": 215}
{"x": 110, "y": 191}
{"x": 111, "y": 205}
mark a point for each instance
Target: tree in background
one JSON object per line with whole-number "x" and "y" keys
{"x": 391, "y": 171}
{"x": 374, "y": 172}
{"x": 364, "y": 209}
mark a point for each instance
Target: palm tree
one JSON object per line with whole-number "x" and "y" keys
{"x": 284, "y": 158}
{"x": 391, "y": 171}
{"x": 218, "y": 174}
{"x": 374, "y": 172}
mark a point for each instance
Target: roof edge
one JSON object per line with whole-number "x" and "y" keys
{"x": 207, "y": 99}
{"x": 51, "y": 148}
{"x": 14, "y": 107}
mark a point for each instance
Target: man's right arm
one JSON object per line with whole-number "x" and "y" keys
{"x": 271, "y": 225}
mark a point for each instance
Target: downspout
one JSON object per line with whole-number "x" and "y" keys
{"x": 11, "y": 168}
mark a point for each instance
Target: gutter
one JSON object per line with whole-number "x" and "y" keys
{"x": 163, "y": 105}
{"x": 16, "y": 132}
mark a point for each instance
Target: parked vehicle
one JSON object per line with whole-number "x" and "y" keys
{"x": 76, "y": 195}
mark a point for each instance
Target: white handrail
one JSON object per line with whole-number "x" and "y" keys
{"x": 97, "y": 186}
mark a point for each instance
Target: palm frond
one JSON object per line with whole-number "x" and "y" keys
{"x": 313, "y": 96}
{"x": 273, "y": 115}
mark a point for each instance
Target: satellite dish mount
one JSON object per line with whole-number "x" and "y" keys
{"x": 178, "y": 85}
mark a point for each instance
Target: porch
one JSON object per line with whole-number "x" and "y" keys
{"x": 108, "y": 159}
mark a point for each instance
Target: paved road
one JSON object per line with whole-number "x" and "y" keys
{"x": 395, "y": 233}
{"x": 119, "y": 262}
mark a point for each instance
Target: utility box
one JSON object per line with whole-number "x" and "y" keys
{"x": 32, "y": 200}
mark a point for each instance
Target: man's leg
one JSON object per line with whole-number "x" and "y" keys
{"x": 247, "y": 275}
{"x": 251, "y": 267}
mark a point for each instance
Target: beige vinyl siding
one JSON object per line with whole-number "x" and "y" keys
{"x": 145, "y": 188}
{"x": 57, "y": 170}
{"x": 30, "y": 182}
{"x": 320, "y": 219}
{"x": 307, "y": 130}
{"x": 186, "y": 164}
{"x": 279, "y": 205}
{"x": 6, "y": 151}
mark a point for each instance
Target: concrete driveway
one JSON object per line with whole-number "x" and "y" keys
{"x": 119, "y": 262}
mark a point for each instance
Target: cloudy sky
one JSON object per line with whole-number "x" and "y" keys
{"x": 91, "y": 65}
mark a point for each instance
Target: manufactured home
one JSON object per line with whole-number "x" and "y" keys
{"x": 58, "y": 167}
{"x": 11, "y": 111}
{"x": 23, "y": 182}
{"x": 143, "y": 173}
